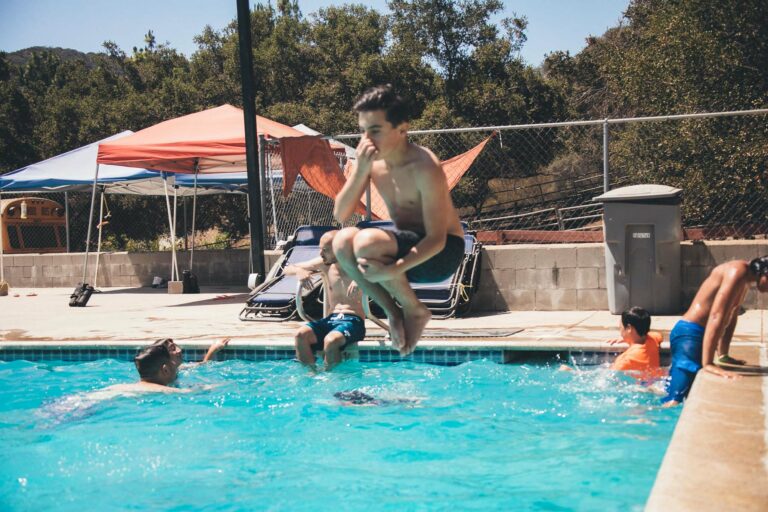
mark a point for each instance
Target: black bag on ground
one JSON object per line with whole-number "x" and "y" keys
{"x": 189, "y": 282}
{"x": 81, "y": 295}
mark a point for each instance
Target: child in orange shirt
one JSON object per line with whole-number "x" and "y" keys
{"x": 641, "y": 359}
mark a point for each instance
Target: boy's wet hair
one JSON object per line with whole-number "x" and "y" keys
{"x": 384, "y": 97}
{"x": 638, "y": 318}
{"x": 150, "y": 359}
{"x": 759, "y": 266}
{"x": 355, "y": 397}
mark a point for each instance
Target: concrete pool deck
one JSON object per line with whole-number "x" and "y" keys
{"x": 717, "y": 458}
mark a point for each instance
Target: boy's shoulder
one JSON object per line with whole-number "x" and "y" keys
{"x": 422, "y": 155}
{"x": 655, "y": 337}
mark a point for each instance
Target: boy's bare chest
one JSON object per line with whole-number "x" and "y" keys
{"x": 398, "y": 188}
{"x": 338, "y": 280}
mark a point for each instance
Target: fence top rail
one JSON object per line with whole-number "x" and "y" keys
{"x": 518, "y": 215}
{"x": 581, "y": 207}
{"x": 574, "y": 123}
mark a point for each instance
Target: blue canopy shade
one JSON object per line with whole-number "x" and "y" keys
{"x": 233, "y": 181}
{"x": 73, "y": 170}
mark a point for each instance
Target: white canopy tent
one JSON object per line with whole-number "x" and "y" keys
{"x": 73, "y": 171}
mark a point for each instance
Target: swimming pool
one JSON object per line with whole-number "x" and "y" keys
{"x": 271, "y": 436}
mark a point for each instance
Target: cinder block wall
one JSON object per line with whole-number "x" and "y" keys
{"x": 542, "y": 277}
{"x": 213, "y": 267}
{"x": 572, "y": 276}
{"x": 513, "y": 277}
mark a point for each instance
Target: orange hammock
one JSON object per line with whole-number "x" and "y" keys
{"x": 312, "y": 157}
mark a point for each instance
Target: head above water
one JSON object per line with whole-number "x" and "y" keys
{"x": 326, "y": 247}
{"x": 384, "y": 98}
{"x": 159, "y": 362}
{"x": 638, "y": 318}
{"x": 759, "y": 268}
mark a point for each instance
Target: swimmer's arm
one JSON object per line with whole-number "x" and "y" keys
{"x": 435, "y": 202}
{"x": 728, "y": 335}
{"x": 349, "y": 197}
{"x": 313, "y": 265}
{"x": 215, "y": 347}
{"x": 305, "y": 269}
{"x": 724, "y": 302}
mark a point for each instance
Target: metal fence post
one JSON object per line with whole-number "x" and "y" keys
{"x": 66, "y": 216}
{"x": 606, "y": 182}
{"x": 262, "y": 179}
{"x": 368, "y": 201}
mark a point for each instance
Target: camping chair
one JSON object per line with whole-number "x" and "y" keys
{"x": 453, "y": 295}
{"x": 275, "y": 299}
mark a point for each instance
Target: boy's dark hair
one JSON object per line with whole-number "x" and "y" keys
{"x": 759, "y": 266}
{"x": 150, "y": 359}
{"x": 384, "y": 97}
{"x": 638, "y": 318}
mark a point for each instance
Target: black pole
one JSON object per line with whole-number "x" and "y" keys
{"x": 251, "y": 150}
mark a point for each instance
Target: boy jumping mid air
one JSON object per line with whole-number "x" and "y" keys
{"x": 344, "y": 322}
{"x": 428, "y": 243}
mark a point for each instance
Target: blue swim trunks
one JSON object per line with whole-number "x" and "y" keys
{"x": 351, "y": 326}
{"x": 685, "y": 343}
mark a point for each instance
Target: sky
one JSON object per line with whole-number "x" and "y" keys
{"x": 85, "y": 24}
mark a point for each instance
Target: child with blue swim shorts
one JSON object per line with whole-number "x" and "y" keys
{"x": 343, "y": 324}
{"x": 709, "y": 324}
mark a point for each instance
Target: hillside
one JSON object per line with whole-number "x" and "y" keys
{"x": 20, "y": 57}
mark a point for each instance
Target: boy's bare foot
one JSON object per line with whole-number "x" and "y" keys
{"x": 415, "y": 320}
{"x": 397, "y": 330}
{"x": 726, "y": 359}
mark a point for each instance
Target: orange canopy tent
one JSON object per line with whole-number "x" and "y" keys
{"x": 210, "y": 141}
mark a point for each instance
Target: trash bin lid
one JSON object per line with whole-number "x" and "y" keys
{"x": 639, "y": 193}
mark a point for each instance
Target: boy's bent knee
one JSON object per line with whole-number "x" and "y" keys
{"x": 343, "y": 241}
{"x": 333, "y": 342}
{"x": 304, "y": 336}
{"x": 374, "y": 242}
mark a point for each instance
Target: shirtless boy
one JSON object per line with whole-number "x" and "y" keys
{"x": 709, "y": 324}
{"x": 343, "y": 323}
{"x": 427, "y": 245}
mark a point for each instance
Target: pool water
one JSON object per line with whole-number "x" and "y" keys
{"x": 271, "y": 436}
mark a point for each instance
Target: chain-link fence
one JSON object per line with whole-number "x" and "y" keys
{"x": 535, "y": 183}
{"x": 531, "y": 183}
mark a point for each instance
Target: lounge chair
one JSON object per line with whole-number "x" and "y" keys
{"x": 452, "y": 296}
{"x": 275, "y": 299}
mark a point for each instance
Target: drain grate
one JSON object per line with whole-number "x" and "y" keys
{"x": 450, "y": 334}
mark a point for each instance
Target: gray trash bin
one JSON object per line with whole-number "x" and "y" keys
{"x": 642, "y": 248}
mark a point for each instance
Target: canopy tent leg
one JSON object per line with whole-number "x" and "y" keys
{"x": 186, "y": 228}
{"x": 170, "y": 227}
{"x": 99, "y": 226}
{"x": 194, "y": 218}
{"x": 173, "y": 235}
{"x": 3, "y": 284}
{"x": 90, "y": 222}
{"x": 66, "y": 216}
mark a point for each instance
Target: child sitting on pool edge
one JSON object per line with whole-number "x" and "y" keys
{"x": 343, "y": 323}
{"x": 641, "y": 359}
